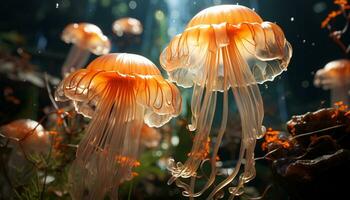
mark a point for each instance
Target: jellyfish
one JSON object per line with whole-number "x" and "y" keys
{"x": 119, "y": 92}
{"x": 335, "y": 76}
{"x": 31, "y": 135}
{"x": 26, "y": 138}
{"x": 223, "y": 47}
{"x": 127, "y": 25}
{"x": 85, "y": 38}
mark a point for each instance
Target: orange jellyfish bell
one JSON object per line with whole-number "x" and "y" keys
{"x": 223, "y": 47}
{"x": 127, "y": 25}
{"x": 85, "y": 38}
{"x": 31, "y": 134}
{"x": 335, "y": 76}
{"x": 119, "y": 92}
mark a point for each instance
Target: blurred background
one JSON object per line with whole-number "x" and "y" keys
{"x": 31, "y": 31}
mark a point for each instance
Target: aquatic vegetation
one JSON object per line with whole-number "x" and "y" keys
{"x": 85, "y": 38}
{"x": 127, "y": 25}
{"x": 318, "y": 154}
{"x": 223, "y": 47}
{"x": 273, "y": 137}
{"x": 119, "y": 92}
{"x": 335, "y": 77}
{"x": 329, "y": 23}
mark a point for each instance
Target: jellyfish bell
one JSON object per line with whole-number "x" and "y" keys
{"x": 335, "y": 77}
{"x": 26, "y": 138}
{"x": 224, "y": 47}
{"x": 119, "y": 92}
{"x": 86, "y": 38}
{"x": 127, "y": 25}
{"x": 31, "y": 135}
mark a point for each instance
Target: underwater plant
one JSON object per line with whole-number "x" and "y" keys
{"x": 85, "y": 38}
{"x": 329, "y": 23}
{"x": 127, "y": 25}
{"x": 335, "y": 77}
{"x": 312, "y": 154}
{"x": 223, "y": 47}
{"x": 335, "y": 74}
{"x": 119, "y": 92}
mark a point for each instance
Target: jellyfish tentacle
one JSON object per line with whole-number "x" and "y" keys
{"x": 205, "y": 119}
{"x": 195, "y": 106}
{"x": 76, "y": 59}
{"x": 190, "y": 191}
{"x": 70, "y": 60}
{"x": 200, "y": 141}
{"x": 250, "y": 106}
{"x": 200, "y": 147}
{"x": 215, "y": 150}
{"x": 88, "y": 86}
{"x": 249, "y": 103}
{"x": 118, "y": 150}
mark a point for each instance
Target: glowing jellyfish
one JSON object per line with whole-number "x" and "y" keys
{"x": 223, "y": 47}
{"x": 127, "y": 25}
{"x": 335, "y": 76}
{"x": 31, "y": 134}
{"x": 85, "y": 38}
{"x": 27, "y": 138}
{"x": 119, "y": 92}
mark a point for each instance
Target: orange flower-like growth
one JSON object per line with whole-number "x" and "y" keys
{"x": 343, "y": 6}
{"x": 272, "y": 136}
{"x": 330, "y": 17}
{"x": 340, "y": 108}
{"x": 119, "y": 92}
{"x": 341, "y": 2}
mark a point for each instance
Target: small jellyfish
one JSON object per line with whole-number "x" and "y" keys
{"x": 85, "y": 38}
{"x": 335, "y": 76}
{"x": 127, "y": 25}
{"x": 223, "y": 47}
{"x": 27, "y": 138}
{"x": 119, "y": 92}
{"x": 31, "y": 135}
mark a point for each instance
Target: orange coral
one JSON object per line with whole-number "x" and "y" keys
{"x": 125, "y": 160}
{"x": 340, "y": 107}
{"x": 337, "y": 34}
{"x": 271, "y": 136}
{"x": 341, "y": 2}
{"x": 330, "y": 16}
